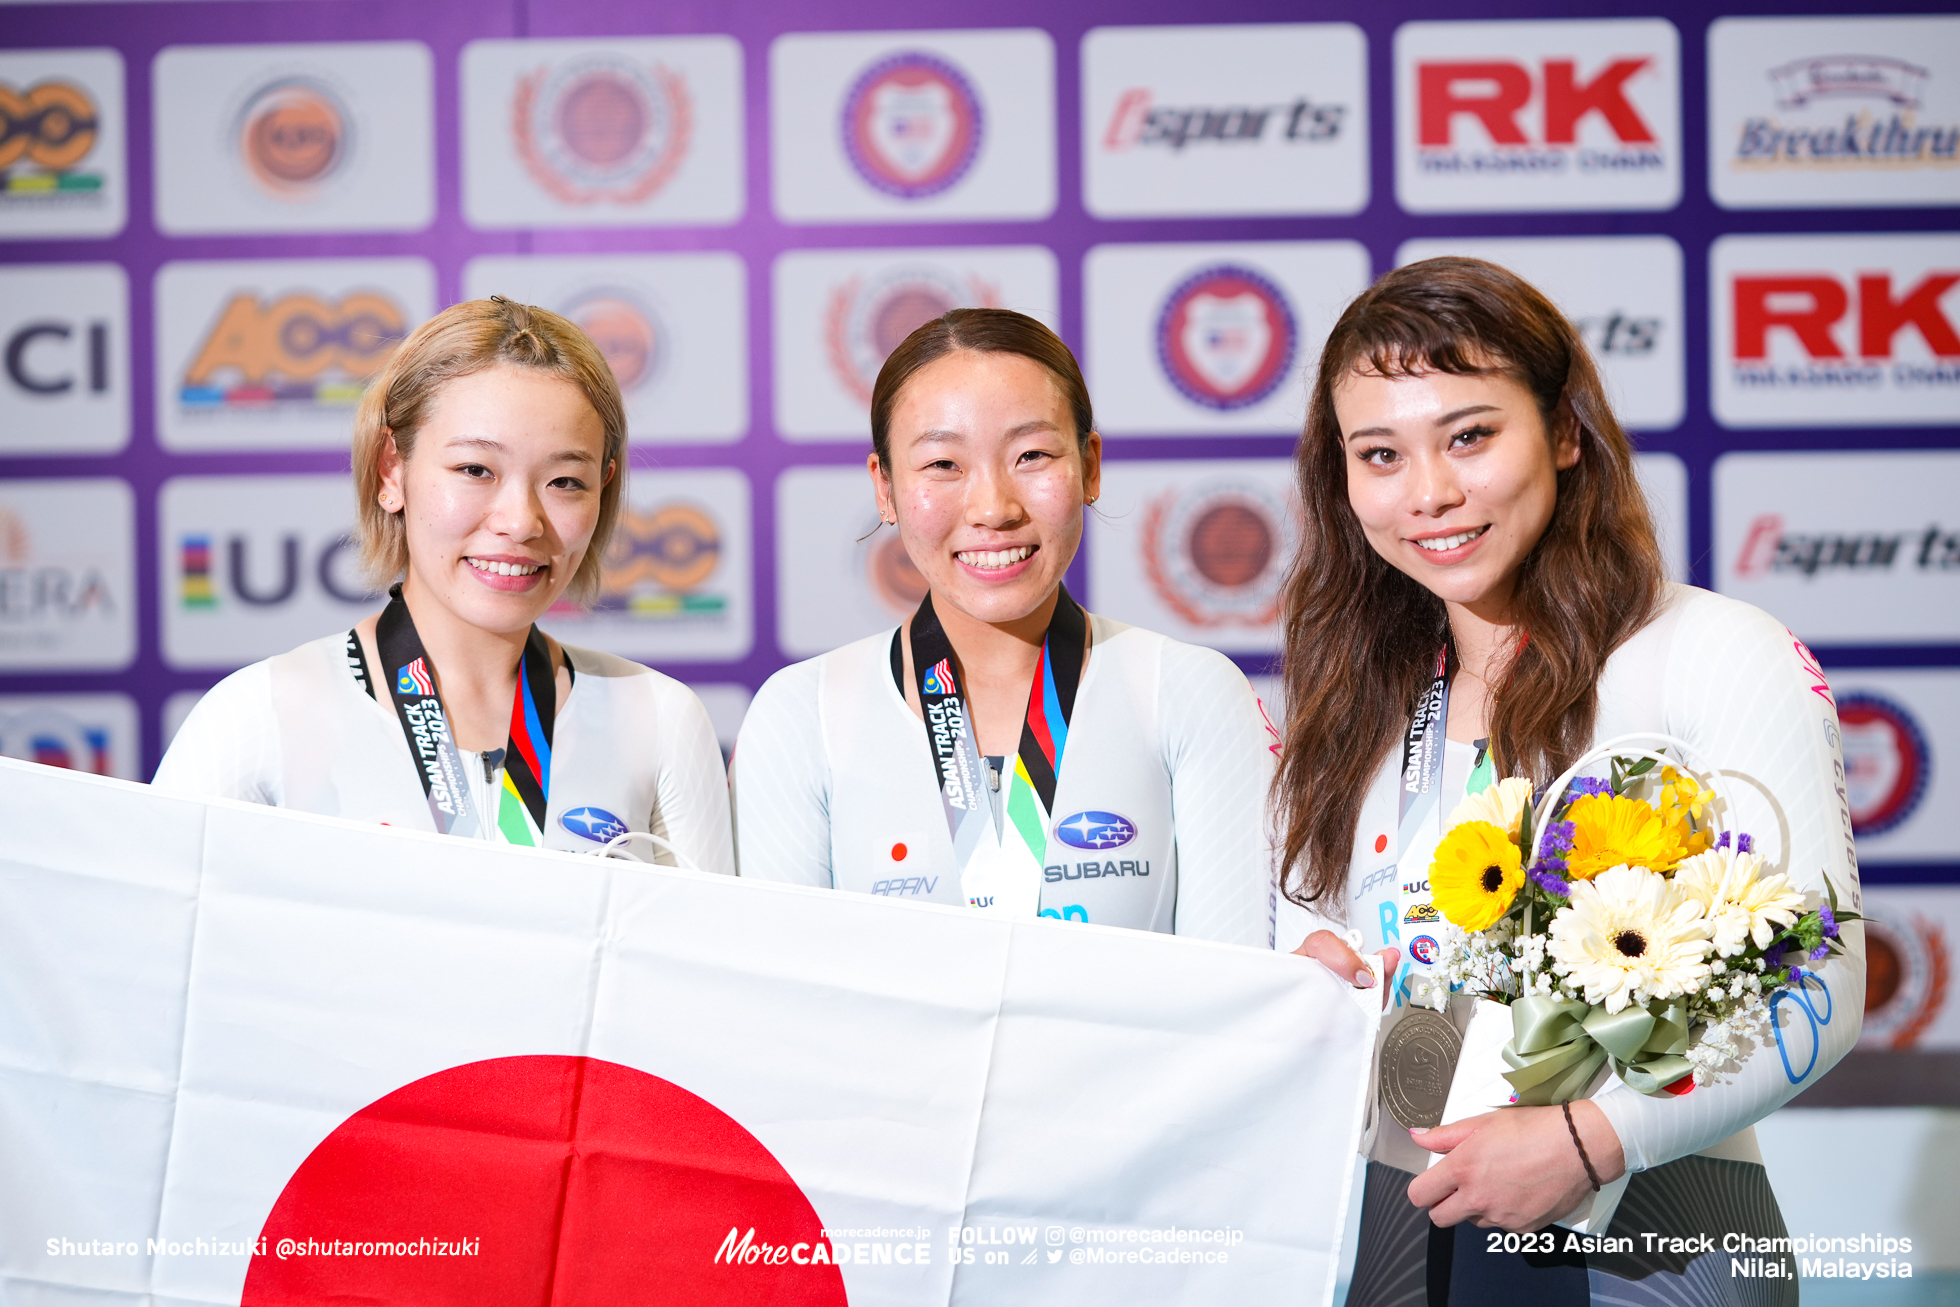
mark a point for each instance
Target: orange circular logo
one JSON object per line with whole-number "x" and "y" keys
{"x": 293, "y": 136}
{"x": 53, "y": 125}
{"x": 1231, "y": 544}
{"x": 624, "y": 332}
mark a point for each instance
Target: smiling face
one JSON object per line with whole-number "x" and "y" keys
{"x": 502, "y": 493}
{"x": 987, "y": 482}
{"x": 1452, "y": 477}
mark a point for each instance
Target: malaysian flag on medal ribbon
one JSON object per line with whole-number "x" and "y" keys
{"x": 414, "y": 679}
{"x": 940, "y": 679}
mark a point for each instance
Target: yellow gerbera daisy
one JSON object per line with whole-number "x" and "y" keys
{"x": 1608, "y": 830}
{"x": 1475, "y": 875}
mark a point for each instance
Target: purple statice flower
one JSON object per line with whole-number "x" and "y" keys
{"x": 1545, "y": 877}
{"x": 1723, "y": 841}
{"x": 1830, "y": 921}
{"x": 1796, "y": 976}
{"x": 1773, "y": 955}
{"x": 1819, "y": 953}
{"x": 1558, "y": 840}
{"x": 1588, "y": 785}
{"x": 1743, "y": 844}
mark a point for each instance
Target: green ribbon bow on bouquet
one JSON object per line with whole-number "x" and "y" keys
{"x": 1557, "y": 1046}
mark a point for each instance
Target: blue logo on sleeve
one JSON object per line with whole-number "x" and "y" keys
{"x": 595, "y": 824}
{"x": 1095, "y": 830}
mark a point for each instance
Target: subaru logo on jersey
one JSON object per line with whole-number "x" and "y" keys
{"x": 1095, "y": 830}
{"x": 1423, "y": 949}
{"x": 912, "y": 125}
{"x": 414, "y": 679}
{"x": 1226, "y": 337}
{"x": 595, "y": 824}
{"x": 602, "y": 128}
{"x": 1887, "y": 761}
{"x": 939, "y": 678}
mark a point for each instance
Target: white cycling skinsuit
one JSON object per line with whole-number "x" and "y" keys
{"x": 631, "y": 750}
{"x": 1159, "y": 814}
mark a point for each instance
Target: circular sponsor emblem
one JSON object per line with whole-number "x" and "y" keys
{"x": 1215, "y": 553}
{"x": 595, "y": 824}
{"x": 1417, "y": 1061}
{"x": 54, "y": 739}
{"x": 292, "y": 136}
{"x": 1095, "y": 830}
{"x": 1226, "y": 337}
{"x": 1908, "y": 967}
{"x": 625, "y": 331}
{"x": 912, "y": 125}
{"x": 676, "y": 547}
{"x": 895, "y": 579}
{"x": 1423, "y": 949}
{"x": 603, "y": 128}
{"x": 1887, "y": 762}
{"x": 866, "y": 321}
{"x": 568, "y": 1178}
{"x": 53, "y": 125}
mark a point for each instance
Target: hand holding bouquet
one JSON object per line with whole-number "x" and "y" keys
{"x": 1619, "y": 928}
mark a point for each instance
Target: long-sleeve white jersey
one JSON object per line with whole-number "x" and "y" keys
{"x": 631, "y": 749}
{"x": 1159, "y": 819}
{"x": 1730, "y": 681}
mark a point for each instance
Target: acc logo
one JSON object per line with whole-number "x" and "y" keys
{"x": 595, "y": 824}
{"x": 51, "y": 126}
{"x": 1420, "y": 914}
{"x": 657, "y": 559}
{"x": 292, "y": 135}
{"x": 54, "y": 739}
{"x": 1887, "y": 762}
{"x": 912, "y": 125}
{"x": 1907, "y": 972}
{"x": 895, "y": 578}
{"x": 626, "y": 332}
{"x": 298, "y": 352}
{"x": 414, "y": 679}
{"x": 1423, "y": 949}
{"x": 1095, "y": 830}
{"x": 1214, "y": 554}
{"x": 939, "y": 678}
{"x": 865, "y": 323}
{"x": 1226, "y": 337}
{"x": 602, "y": 129}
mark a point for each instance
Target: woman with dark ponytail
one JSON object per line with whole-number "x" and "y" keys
{"x": 1477, "y": 557}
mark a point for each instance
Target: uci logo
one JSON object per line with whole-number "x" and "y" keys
{"x": 297, "y": 350}
{"x": 56, "y": 358}
{"x": 246, "y": 580}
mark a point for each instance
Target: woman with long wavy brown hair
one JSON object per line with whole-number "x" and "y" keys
{"x": 1478, "y": 559}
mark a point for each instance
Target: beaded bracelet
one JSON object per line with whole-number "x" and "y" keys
{"x": 1591, "y": 1174}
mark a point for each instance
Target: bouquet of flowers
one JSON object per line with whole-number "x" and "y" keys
{"x": 1620, "y": 926}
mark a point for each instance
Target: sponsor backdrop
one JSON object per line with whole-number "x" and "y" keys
{"x": 216, "y": 220}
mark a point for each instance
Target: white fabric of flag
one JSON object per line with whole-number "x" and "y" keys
{"x": 250, "y": 1056}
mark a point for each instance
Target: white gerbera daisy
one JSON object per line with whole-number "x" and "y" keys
{"x": 1739, "y": 907}
{"x": 1628, "y": 930}
{"x": 1502, "y": 805}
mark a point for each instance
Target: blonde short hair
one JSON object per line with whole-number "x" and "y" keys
{"x": 464, "y": 339}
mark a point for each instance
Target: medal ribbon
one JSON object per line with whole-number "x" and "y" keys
{"x": 955, "y": 752}
{"x": 1420, "y": 795}
{"x": 527, "y": 756}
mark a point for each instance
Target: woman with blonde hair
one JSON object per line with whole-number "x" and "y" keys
{"x": 1478, "y": 561}
{"x": 489, "y": 459}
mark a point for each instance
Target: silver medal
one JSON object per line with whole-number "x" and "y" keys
{"x": 1418, "y": 1060}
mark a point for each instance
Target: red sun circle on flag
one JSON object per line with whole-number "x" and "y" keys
{"x": 565, "y": 1180}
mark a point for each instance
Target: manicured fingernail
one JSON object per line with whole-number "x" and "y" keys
{"x": 1364, "y": 979}
{"x": 1418, "y": 1129}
